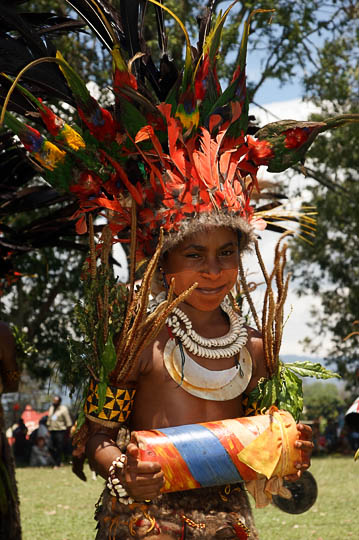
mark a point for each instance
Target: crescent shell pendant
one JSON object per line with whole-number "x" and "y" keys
{"x": 221, "y": 385}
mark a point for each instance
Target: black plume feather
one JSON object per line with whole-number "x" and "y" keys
{"x": 95, "y": 13}
{"x": 23, "y": 39}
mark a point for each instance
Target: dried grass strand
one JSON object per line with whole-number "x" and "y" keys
{"x": 273, "y": 305}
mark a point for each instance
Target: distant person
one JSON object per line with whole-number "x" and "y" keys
{"x": 22, "y": 445}
{"x": 10, "y": 527}
{"x": 59, "y": 423}
{"x": 41, "y": 431}
{"x": 40, "y": 454}
{"x": 353, "y": 437}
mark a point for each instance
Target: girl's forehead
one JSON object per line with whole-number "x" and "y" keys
{"x": 210, "y": 236}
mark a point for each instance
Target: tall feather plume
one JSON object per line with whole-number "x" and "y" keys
{"x": 102, "y": 18}
{"x": 23, "y": 39}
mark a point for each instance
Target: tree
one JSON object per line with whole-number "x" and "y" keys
{"x": 41, "y": 303}
{"x": 322, "y": 399}
{"x": 329, "y": 268}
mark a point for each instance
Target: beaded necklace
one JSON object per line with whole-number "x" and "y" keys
{"x": 221, "y": 347}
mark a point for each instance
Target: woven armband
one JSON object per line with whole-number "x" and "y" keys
{"x": 117, "y": 408}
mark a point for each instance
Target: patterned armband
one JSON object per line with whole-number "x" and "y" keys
{"x": 117, "y": 408}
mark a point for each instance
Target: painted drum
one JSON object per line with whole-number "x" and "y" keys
{"x": 223, "y": 452}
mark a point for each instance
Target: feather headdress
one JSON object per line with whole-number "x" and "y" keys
{"x": 173, "y": 145}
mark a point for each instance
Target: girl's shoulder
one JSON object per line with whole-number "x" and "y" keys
{"x": 255, "y": 339}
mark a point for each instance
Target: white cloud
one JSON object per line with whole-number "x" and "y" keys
{"x": 293, "y": 109}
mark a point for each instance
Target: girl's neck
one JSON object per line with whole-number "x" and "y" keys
{"x": 206, "y": 323}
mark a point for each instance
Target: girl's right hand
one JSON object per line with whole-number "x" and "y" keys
{"x": 142, "y": 480}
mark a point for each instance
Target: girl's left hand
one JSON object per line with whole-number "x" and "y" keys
{"x": 304, "y": 443}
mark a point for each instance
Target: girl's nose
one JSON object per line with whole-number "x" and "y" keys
{"x": 212, "y": 268}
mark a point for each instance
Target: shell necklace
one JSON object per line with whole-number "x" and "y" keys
{"x": 221, "y": 347}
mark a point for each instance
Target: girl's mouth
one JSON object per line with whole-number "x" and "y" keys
{"x": 210, "y": 290}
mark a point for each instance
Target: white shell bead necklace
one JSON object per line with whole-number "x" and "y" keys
{"x": 221, "y": 347}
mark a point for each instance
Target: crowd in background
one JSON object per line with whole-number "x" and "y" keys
{"x": 49, "y": 444}
{"x": 335, "y": 436}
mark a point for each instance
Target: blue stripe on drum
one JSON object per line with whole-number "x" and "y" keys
{"x": 206, "y": 458}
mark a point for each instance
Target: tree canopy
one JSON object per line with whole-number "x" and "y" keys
{"x": 329, "y": 268}
{"x": 322, "y": 400}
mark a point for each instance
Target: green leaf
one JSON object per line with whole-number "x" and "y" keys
{"x": 284, "y": 390}
{"x": 309, "y": 369}
{"x": 268, "y": 392}
{"x": 108, "y": 358}
{"x": 290, "y": 397}
{"x": 101, "y": 389}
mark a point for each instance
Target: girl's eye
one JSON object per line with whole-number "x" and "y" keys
{"x": 227, "y": 252}
{"x": 192, "y": 255}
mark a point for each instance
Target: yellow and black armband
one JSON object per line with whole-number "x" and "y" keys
{"x": 117, "y": 407}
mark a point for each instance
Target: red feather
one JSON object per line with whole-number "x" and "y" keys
{"x": 204, "y": 160}
{"x": 123, "y": 176}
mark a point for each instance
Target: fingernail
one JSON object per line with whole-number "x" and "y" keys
{"x": 298, "y": 444}
{"x": 298, "y": 465}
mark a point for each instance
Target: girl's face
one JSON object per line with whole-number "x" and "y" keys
{"x": 209, "y": 258}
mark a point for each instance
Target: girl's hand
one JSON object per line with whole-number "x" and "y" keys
{"x": 142, "y": 480}
{"x": 304, "y": 443}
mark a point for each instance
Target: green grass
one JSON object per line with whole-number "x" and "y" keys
{"x": 55, "y": 505}
{"x": 334, "y": 516}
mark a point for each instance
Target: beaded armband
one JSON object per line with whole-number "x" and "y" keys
{"x": 117, "y": 408}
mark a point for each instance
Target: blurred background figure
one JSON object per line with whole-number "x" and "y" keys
{"x": 40, "y": 454}
{"x": 41, "y": 431}
{"x": 10, "y": 527}
{"x": 352, "y": 423}
{"x": 22, "y": 445}
{"x": 59, "y": 423}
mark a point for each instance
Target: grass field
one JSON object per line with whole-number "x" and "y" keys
{"x": 55, "y": 505}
